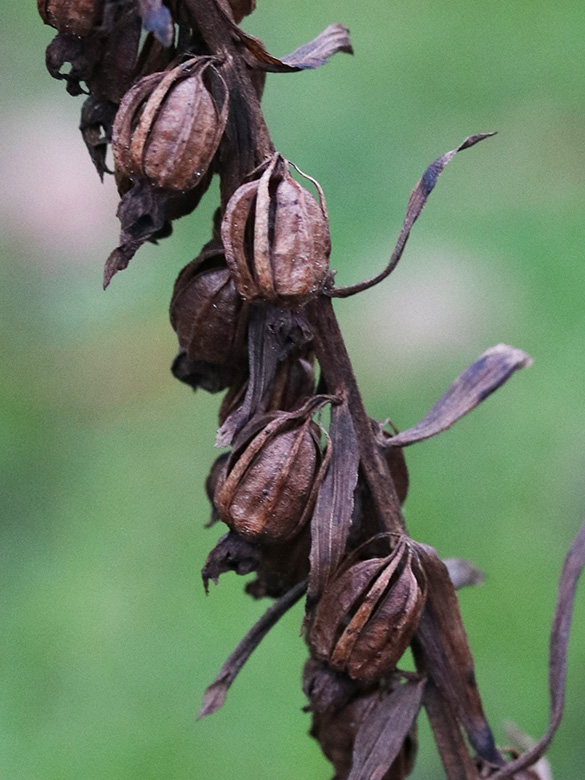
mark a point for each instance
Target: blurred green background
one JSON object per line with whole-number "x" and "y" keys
{"x": 108, "y": 641}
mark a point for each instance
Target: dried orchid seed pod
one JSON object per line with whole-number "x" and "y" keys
{"x": 169, "y": 125}
{"x": 206, "y": 310}
{"x": 72, "y": 17}
{"x": 272, "y": 480}
{"x": 281, "y": 566}
{"x": 276, "y": 237}
{"x": 368, "y": 614}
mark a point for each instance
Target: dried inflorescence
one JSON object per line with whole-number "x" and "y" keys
{"x": 309, "y": 507}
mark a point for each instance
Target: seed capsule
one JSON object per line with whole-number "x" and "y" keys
{"x": 205, "y": 308}
{"x": 169, "y": 125}
{"x": 72, "y": 17}
{"x": 272, "y": 480}
{"x": 365, "y": 620}
{"x": 276, "y": 237}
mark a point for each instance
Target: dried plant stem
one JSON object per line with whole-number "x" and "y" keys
{"x": 338, "y": 373}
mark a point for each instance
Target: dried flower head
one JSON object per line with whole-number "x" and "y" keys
{"x": 365, "y": 620}
{"x": 169, "y": 125}
{"x": 276, "y": 237}
{"x": 272, "y": 478}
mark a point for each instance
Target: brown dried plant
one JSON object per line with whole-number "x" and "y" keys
{"x": 311, "y": 512}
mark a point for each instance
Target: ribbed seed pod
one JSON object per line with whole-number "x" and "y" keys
{"x": 205, "y": 308}
{"x": 169, "y": 125}
{"x": 367, "y": 616}
{"x": 72, "y": 17}
{"x": 272, "y": 480}
{"x": 276, "y": 237}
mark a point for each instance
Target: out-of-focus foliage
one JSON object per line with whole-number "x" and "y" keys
{"x": 108, "y": 640}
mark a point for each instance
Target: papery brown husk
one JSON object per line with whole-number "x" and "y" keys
{"x": 206, "y": 311}
{"x": 368, "y": 614}
{"x": 270, "y": 487}
{"x": 276, "y": 237}
{"x": 169, "y": 125}
{"x": 281, "y": 566}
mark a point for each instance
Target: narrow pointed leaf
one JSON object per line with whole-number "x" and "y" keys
{"x": 457, "y": 762}
{"x": 382, "y": 732}
{"x": 416, "y": 202}
{"x": 473, "y": 386}
{"x": 333, "y": 511}
{"x": 443, "y": 640}
{"x": 217, "y": 691}
{"x": 559, "y": 640}
{"x": 332, "y": 40}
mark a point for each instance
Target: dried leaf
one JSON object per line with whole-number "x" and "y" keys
{"x": 463, "y": 573}
{"x": 382, "y": 732}
{"x": 273, "y": 334}
{"x": 457, "y": 762}
{"x": 474, "y": 385}
{"x": 217, "y": 691}
{"x": 332, "y": 40}
{"x": 416, "y": 202}
{"x": 557, "y": 665}
{"x": 333, "y": 511}
{"x": 449, "y": 662}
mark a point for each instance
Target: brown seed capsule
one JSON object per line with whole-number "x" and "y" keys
{"x": 169, "y": 125}
{"x": 271, "y": 482}
{"x": 205, "y": 309}
{"x": 367, "y": 616}
{"x": 73, "y": 17}
{"x": 276, "y": 237}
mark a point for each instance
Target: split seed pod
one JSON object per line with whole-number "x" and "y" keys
{"x": 205, "y": 309}
{"x": 72, "y": 17}
{"x": 272, "y": 478}
{"x": 169, "y": 125}
{"x": 276, "y": 237}
{"x": 367, "y": 616}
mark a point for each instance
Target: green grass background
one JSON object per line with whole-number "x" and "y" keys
{"x": 108, "y": 641}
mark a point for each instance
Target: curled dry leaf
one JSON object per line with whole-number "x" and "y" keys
{"x": 217, "y": 691}
{"x": 557, "y": 663}
{"x": 473, "y": 386}
{"x": 416, "y": 202}
{"x": 334, "y": 508}
{"x": 334, "y": 38}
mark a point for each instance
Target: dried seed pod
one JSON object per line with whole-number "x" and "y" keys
{"x": 276, "y": 237}
{"x": 73, "y": 17}
{"x": 199, "y": 373}
{"x": 206, "y": 309}
{"x": 272, "y": 479}
{"x": 368, "y": 614}
{"x": 169, "y": 125}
